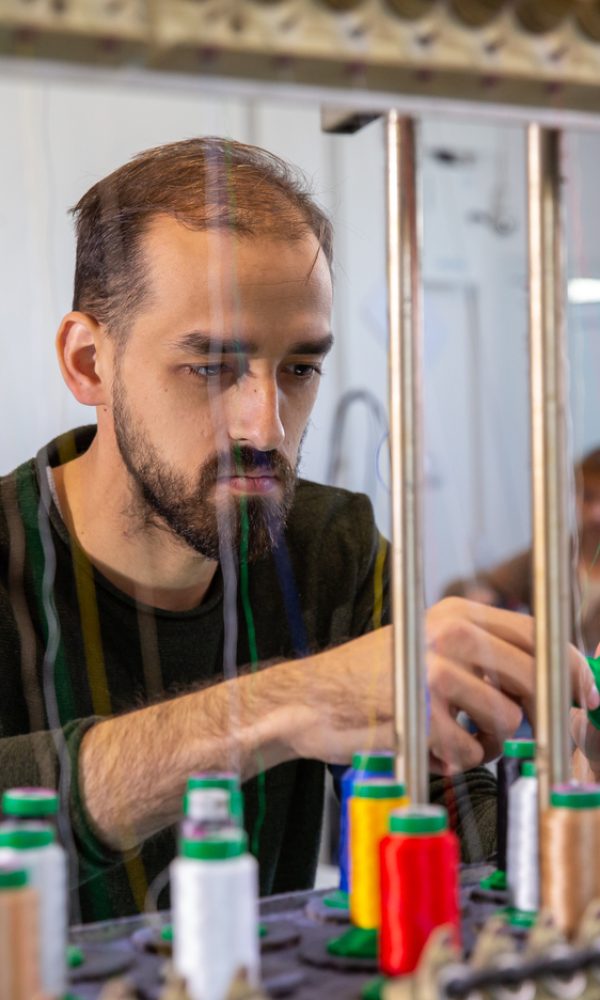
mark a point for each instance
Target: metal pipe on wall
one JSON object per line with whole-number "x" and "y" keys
{"x": 406, "y": 407}
{"x": 548, "y": 357}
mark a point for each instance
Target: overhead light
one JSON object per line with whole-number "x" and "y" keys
{"x": 583, "y": 291}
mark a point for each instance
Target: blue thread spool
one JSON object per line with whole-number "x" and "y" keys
{"x": 365, "y": 765}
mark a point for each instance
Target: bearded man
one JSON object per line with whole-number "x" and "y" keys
{"x": 172, "y": 597}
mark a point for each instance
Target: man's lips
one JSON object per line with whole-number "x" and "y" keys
{"x": 250, "y": 482}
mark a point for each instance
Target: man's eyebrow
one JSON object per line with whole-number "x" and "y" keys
{"x": 199, "y": 342}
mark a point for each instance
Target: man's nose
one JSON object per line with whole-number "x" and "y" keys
{"x": 255, "y": 419}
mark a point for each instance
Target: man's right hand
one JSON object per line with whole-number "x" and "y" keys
{"x": 479, "y": 659}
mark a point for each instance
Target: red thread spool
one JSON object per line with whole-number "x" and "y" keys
{"x": 419, "y": 885}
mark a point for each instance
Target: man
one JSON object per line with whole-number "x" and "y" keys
{"x": 510, "y": 584}
{"x": 153, "y": 564}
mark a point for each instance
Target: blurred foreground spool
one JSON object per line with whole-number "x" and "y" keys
{"x": 540, "y": 16}
{"x": 419, "y": 862}
{"x": 570, "y": 853}
{"x": 19, "y": 936}
{"x": 370, "y": 808}
{"x": 214, "y": 887}
{"x": 477, "y": 13}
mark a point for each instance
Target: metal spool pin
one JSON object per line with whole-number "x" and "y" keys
{"x": 405, "y": 387}
{"x": 406, "y": 459}
{"x": 548, "y": 352}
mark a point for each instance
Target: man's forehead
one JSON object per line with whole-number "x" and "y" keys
{"x": 263, "y": 258}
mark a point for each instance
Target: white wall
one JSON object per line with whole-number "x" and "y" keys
{"x": 60, "y": 133}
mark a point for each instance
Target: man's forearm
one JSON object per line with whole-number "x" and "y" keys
{"x": 133, "y": 768}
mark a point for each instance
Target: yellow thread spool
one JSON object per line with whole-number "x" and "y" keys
{"x": 370, "y": 805}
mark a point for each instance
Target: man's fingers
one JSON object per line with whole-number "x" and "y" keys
{"x": 451, "y": 748}
{"x": 516, "y": 629}
{"x": 510, "y": 667}
{"x": 455, "y": 688}
{"x": 502, "y": 644}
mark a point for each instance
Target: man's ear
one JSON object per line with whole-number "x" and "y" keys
{"x": 78, "y": 343}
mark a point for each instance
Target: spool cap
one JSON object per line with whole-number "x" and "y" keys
{"x": 378, "y": 788}
{"x": 30, "y": 802}
{"x": 225, "y": 845}
{"x": 529, "y": 769}
{"x": 26, "y": 838}
{"x": 575, "y": 796}
{"x": 419, "y": 819}
{"x": 377, "y": 761}
{"x": 12, "y": 877}
{"x": 523, "y": 749}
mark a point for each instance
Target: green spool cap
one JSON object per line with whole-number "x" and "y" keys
{"x": 575, "y": 796}
{"x": 377, "y": 761}
{"x": 26, "y": 838}
{"x": 228, "y": 844}
{"x": 13, "y": 878}
{"x": 419, "y": 819}
{"x": 524, "y": 749}
{"x": 216, "y": 779}
{"x": 529, "y": 769}
{"x": 30, "y": 802}
{"x": 378, "y": 788}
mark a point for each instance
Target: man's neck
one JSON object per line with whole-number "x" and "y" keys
{"x": 144, "y": 561}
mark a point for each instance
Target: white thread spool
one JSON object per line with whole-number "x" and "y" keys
{"x": 214, "y": 890}
{"x": 523, "y": 868}
{"x": 33, "y": 846}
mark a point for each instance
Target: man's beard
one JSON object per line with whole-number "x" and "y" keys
{"x": 165, "y": 498}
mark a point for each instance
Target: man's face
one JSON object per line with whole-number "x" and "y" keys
{"x": 213, "y": 390}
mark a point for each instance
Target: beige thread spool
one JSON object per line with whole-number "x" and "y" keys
{"x": 19, "y": 936}
{"x": 570, "y": 853}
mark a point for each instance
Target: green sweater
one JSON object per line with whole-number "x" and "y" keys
{"x": 74, "y": 649}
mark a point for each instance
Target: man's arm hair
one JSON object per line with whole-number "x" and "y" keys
{"x": 133, "y": 768}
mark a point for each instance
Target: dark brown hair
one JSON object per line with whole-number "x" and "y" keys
{"x": 204, "y": 183}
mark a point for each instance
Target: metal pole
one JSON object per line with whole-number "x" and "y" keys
{"x": 548, "y": 353}
{"x": 405, "y": 388}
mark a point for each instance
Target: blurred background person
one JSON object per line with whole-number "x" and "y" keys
{"x": 510, "y": 583}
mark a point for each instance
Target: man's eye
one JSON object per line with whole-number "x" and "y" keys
{"x": 209, "y": 371}
{"x": 305, "y": 371}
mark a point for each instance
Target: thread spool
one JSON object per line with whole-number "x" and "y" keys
{"x": 227, "y": 780}
{"x": 587, "y": 14}
{"x": 35, "y": 847}
{"x": 570, "y": 853}
{"x": 411, "y": 10}
{"x": 31, "y": 804}
{"x": 522, "y": 857}
{"x": 510, "y": 766}
{"x": 419, "y": 861}
{"x": 370, "y": 807}
{"x": 541, "y": 16}
{"x": 478, "y": 13}
{"x": 19, "y": 935}
{"x": 365, "y": 765}
{"x": 214, "y": 885}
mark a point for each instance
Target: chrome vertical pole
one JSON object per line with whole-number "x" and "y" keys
{"x": 406, "y": 404}
{"x": 548, "y": 362}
